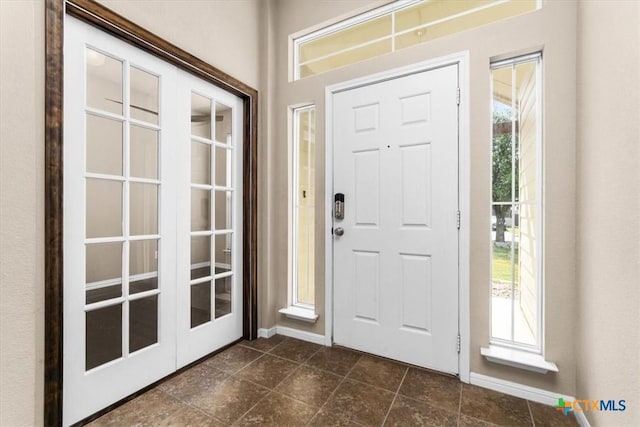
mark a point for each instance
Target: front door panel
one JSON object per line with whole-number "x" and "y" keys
{"x": 396, "y": 265}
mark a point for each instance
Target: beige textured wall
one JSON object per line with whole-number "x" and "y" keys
{"x": 224, "y": 33}
{"x": 608, "y": 326}
{"x": 552, "y": 28}
{"x": 221, "y": 32}
{"x": 21, "y": 212}
{"x": 286, "y": 17}
{"x": 265, "y": 155}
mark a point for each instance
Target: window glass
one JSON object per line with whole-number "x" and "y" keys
{"x": 304, "y": 205}
{"x": 516, "y": 188}
{"x": 395, "y": 26}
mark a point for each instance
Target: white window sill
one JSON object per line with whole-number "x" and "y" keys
{"x": 299, "y": 313}
{"x": 518, "y": 359}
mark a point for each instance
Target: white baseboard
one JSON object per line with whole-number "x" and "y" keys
{"x": 301, "y": 335}
{"x": 581, "y": 418}
{"x": 291, "y": 332}
{"x": 519, "y": 390}
{"x": 525, "y": 392}
{"x": 266, "y": 333}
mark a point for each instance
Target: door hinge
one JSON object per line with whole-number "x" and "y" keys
{"x": 458, "y": 344}
{"x": 458, "y": 96}
{"x": 458, "y": 220}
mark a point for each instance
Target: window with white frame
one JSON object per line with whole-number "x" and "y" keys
{"x": 394, "y": 26}
{"x": 304, "y": 192}
{"x": 516, "y": 204}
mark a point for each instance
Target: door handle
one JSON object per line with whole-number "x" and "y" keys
{"x": 339, "y": 231}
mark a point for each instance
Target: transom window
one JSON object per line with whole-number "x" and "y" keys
{"x": 516, "y": 204}
{"x": 401, "y": 24}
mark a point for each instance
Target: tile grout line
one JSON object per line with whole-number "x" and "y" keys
{"x": 533, "y": 421}
{"x": 247, "y": 365}
{"x": 303, "y": 362}
{"x": 189, "y": 404}
{"x": 299, "y": 367}
{"x": 460, "y": 406}
{"x": 395, "y": 396}
{"x": 334, "y": 392}
{"x": 202, "y": 411}
{"x": 300, "y": 364}
{"x": 399, "y": 362}
{"x": 229, "y": 377}
{"x": 347, "y": 374}
{"x": 294, "y": 399}
{"x": 180, "y": 401}
{"x": 271, "y": 390}
{"x": 251, "y": 408}
{"x": 264, "y": 386}
{"x": 361, "y": 354}
{"x": 370, "y": 385}
{"x": 262, "y": 351}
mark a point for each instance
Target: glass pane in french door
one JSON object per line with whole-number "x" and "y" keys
{"x": 143, "y": 95}
{"x": 103, "y": 271}
{"x": 223, "y": 124}
{"x": 223, "y": 254}
{"x": 143, "y": 265}
{"x": 143, "y": 322}
{"x": 201, "y": 116}
{"x": 223, "y": 296}
{"x": 103, "y": 335}
{"x": 200, "y": 303}
{"x": 122, "y": 185}
{"x": 143, "y": 144}
{"x": 104, "y": 82}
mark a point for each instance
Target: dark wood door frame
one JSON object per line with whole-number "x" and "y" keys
{"x": 120, "y": 27}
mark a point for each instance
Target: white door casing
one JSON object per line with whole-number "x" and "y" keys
{"x": 87, "y": 391}
{"x": 395, "y": 269}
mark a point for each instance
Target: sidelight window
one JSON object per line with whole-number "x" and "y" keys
{"x": 516, "y": 204}
{"x": 304, "y": 196}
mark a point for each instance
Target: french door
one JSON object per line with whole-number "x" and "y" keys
{"x": 152, "y": 219}
{"x": 209, "y": 244}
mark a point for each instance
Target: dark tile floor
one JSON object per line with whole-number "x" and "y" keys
{"x": 286, "y": 382}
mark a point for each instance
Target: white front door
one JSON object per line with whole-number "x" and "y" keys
{"x": 152, "y": 219}
{"x": 395, "y": 146}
